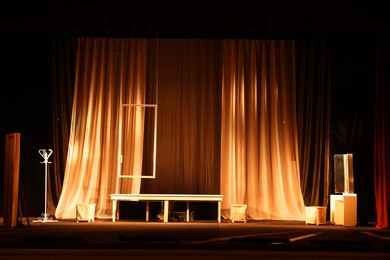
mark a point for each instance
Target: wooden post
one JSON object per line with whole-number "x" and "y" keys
{"x": 11, "y": 179}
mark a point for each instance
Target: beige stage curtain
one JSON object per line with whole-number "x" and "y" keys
{"x": 259, "y": 152}
{"x": 109, "y": 72}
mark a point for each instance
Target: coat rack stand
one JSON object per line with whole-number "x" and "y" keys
{"x": 45, "y": 217}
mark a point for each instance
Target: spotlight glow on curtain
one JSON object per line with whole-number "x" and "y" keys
{"x": 259, "y": 153}
{"x": 109, "y": 72}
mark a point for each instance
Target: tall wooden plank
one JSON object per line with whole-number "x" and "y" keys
{"x": 11, "y": 179}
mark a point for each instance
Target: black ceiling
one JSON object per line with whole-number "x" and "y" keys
{"x": 194, "y": 17}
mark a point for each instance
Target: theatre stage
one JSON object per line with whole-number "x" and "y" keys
{"x": 129, "y": 239}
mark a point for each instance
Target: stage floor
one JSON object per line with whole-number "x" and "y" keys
{"x": 125, "y": 239}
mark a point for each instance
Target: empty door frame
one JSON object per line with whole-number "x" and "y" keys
{"x": 132, "y": 138}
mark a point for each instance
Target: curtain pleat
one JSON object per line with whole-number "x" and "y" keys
{"x": 109, "y": 72}
{"x": 382, "y": 136}
{"x": 64, "y": 57}
{"x": 259, "y": 152}
{"x": 188, "y": 135}
{"x": 313, "y": 114}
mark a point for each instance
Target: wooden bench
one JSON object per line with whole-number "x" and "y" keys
{"x": 166, "y": 198}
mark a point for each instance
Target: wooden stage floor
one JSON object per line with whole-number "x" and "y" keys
{"x": 128, "y": 239}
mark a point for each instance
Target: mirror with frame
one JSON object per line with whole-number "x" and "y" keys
{"x": 343, "y": 173}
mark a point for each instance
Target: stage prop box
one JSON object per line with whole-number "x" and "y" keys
{"x": 85, "y": 212}
{"x": 238, "y": 212}
{"x": 315, "y": 215}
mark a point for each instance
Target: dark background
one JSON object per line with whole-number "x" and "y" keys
{"x": 26, "y": 32}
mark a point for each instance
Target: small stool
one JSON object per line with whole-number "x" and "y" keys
{"x": 85, "y": 212}
{"x": 315, "y": 215}
{"x": 238, "y": 212}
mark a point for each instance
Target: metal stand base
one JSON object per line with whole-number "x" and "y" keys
{"x": 45, "y": 218}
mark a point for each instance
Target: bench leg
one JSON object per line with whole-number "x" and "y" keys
{"x": 166, "y": 210}
{"x": 113, "y": 210}
{"x": 188, "y": 211}
{"x": 147, "y": 210}
{"x": 219, "y": 212}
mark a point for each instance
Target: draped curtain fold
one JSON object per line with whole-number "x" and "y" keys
{"x": 382, "y": 135}
{"x": 227, "y": 123}
{"x": 259, "y": 146}
{"x": 64, "y": 58}
{"x": 109, "y": 72}
{"x": 313, "y": 119}
{"x": 188, "y": 135}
